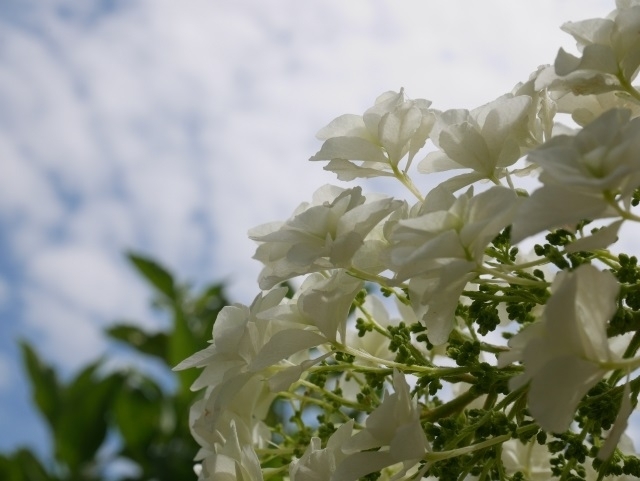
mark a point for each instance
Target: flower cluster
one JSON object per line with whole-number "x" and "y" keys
{"x": 421, "y": 343}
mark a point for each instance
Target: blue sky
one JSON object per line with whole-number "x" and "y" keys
{"x": 171, "y": 128}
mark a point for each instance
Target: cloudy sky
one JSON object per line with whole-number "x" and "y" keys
{"x": 171, "y": 128}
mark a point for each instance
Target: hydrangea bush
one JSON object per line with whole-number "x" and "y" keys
{"x": 423, "y": 343}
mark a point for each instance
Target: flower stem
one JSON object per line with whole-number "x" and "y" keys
{"x": 626, "y": 85}
{"x": 442, "y": 455}
{"x": 407, "y": 182}
{"x": 511, "y": 279}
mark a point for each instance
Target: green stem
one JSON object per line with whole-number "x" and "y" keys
{"x": 572, "y": 462}
{"x": 366, "y": 276}
{"x": 633, "y": 346}
{"x": 327, "y": 394}
{"x": 442, "y": 455}
{"x": 484, "y": 296}
{"x": 625, "y": 364}
{"x": 407, "y": 182}
{"x": 274, "y": 451}
{"x": 626, "y": 85}
{"x": 374, "y": 323}
{"x": 352, "y": 368}
{"x": 602, "y": 254}
{"x": 527, "y": 265}
{"x": 452, "y": 407}
{"x": 511, "y": 279}
{"x": 626, "y": 215}
{"x": 385, "y": 362}
{"x": 382, "y": 330}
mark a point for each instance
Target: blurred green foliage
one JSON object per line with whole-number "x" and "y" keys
{"x": 149, "y": 420}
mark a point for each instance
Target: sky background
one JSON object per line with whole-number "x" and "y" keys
{"x": 171, "y": 128}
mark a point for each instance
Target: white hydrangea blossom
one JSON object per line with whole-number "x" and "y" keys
{"x": 379, "y": 139}
{"x": 531, "y": 459}
{"x": 440, "y": 249}
{"x": 542, "y": 109}
{"x": 317, "y": 464}
{"x": 567, "y": 352}
{"x": 584, "y": 109}
{"x": 243, "y": 339}
{"x": 244, "y": 350}
{"x": 393, "y": 426}
{"x": 232, "y": 461}
{"x": 323, "y": 301}
{"x": 609, "y": 46}
{"x": 322, "y": 235}
{"x": 591, "y": 172}
{"x": 486, "y": 140}
{"x": 451, "y": 264}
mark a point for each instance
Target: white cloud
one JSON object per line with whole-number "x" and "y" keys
{"x": 174, "y": 127}
{"x": 65, "y": 335}
{"x": 26, "y": 197}
{"x": 87, "y": 279}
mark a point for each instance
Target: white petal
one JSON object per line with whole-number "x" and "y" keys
{"x": 555, "y": 206}
{"x": 348, "y": 171}
{"x": 437, "y": 162}
{"x": 350, "y": 148}
{"x": 361, "y": 464}
{"x": 619, "y": 426}
{"x": 557, "y": 389}
{"x": 347, "y": 125}
{"x": 282, "y": 345}
{"x": 602, "y": 239}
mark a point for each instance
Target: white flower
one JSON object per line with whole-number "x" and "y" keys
{"x": 531, "y": 459}
{"x": 248, "y": 410}
{"x": 541, "y": 110}
{"x": 450, "y": 228}
{"x": 439, "y": 249}
{"x": 327, "y": 303}
{"x": 435, "y": 295}
{"x": 317, "y": 464}
{"x": 486, "y": 140}
{"x": 232, "y": 461}
{"x": 584, "y": 109}
{"x": 586, "y": 87}
{"x": 620, "y": 424}
{"x": 609, "y": 46}
{"x": 373, "y": 256}
{"x": 322, "y": 302}
{"x": 567, "y": 352}
{"x": 322, "y": 235}
{"x": 583, "y": 175}
{"x": 239, "y": 335}
{"x": 387, "y": 132}
{"x": 246, "y": 346}
{"x": 393, "y": 426}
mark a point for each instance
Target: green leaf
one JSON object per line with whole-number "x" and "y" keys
{"x": 182, "y": 344}
{"x": 157, "y": 275}
{"x": 147, "y": 343}
{"x": 205, "y": 309}
{"x": 22, "y": 465}
{"x": 138, "y": 411}
{"x": 44, "y": 384}
{"x": 211, "y": 300}
{"x": 83, "y": 420}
